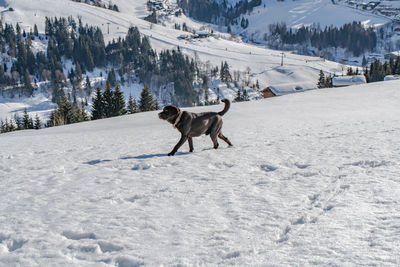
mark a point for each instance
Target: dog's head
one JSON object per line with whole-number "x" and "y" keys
{"x": 169, "y": 113}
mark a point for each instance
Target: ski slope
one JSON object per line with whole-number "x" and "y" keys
{"x": 312, "y": 179}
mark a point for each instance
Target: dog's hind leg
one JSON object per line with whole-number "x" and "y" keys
{"x": 213, "y": 136}
{"x": 190, "y": 141}
{"x": 225, "y": 139}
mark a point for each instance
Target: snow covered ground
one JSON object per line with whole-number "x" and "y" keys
{"x": 312, "y": 179}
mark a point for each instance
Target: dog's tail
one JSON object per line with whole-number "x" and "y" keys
{"x": 226, "y": 108}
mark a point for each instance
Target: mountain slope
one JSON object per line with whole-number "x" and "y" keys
{"x": 312, "y": 179}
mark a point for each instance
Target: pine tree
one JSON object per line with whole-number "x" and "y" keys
{"x": 245, "y": 95}
{"x": 11, "y": 126}
{"x": 37, "y": 125}
{"x": 321, "y": 80}
{"x": 222, "y": 72}
{"x": 111, "y": 78}
{"x": 88, "y": 86}
{"x": 25, "y": 120}
{"x": 98, "y": 105}
{"x": 328, "y": 82}
{"x": 146, "y": 102}
{"x": 28, "y": 83}
{"x": 118, "y": 102}
{"x": 227, "y": 74}
{"x": 35, "y": 30}
{"x": 2, "y": 126}
{"x": 108, "y": 96}
{"x": 238, "y": 97}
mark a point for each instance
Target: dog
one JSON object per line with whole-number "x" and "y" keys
{"x": 191, "y": 125}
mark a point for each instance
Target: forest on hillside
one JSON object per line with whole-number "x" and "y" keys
{"x": 67, "y": 39}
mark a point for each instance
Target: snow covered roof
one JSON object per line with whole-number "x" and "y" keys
{"x": 203, "y": 33}
{"x": 348, "y": 80}
{"x": 288, "y": 88}
{"x": 391, "y": 77}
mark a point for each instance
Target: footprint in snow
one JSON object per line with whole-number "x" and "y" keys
{"x": 78, "y": 236}
{"x": 301, "y": 166}
{"x": 268, "y": 168}
{"x": 109, "y": 247}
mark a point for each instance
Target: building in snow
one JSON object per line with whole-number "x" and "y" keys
{"x": 391, "y": 77}
{"x": 202, "y": 34}
{"x": 287, "y": 88}
{"x": 341, "y": 81}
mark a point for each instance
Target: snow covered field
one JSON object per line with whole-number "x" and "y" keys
{"x": 312, "y": 179}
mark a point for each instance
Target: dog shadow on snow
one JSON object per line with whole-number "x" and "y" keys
{"x": 143, "y": 156}
{"x": 158, "y": 155}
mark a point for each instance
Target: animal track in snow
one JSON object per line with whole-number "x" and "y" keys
{"x": 125, "y": 261}
{"x": 78, "y": 236}
{"x": 231, "y": 255}
{"x": 11, "y": 244}
{"x": 319, "y": 204}
{"x": 268, "y": 168}
{"x": 369, "y": 163}
{"x": 109, "y": 247}
{"x": 301, "y": 166}
{"x": 134, "y": 198}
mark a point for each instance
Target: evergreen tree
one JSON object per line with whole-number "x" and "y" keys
{"x": 108, "y": 98}
{"x": 238, "y": 97}
{"x": 28, "y": 83}
{"x": 11, "y": 126}
{"x": 25, "y": 120}
{"x": 37, "y": 125}
{"x": 146, "y": 102}
{"x": 328, "y": 82}
{"x": 63, "y": 115}
{"x": 364, "y": 61}
{"x": 2, "y": 127}
{"x": 245, "y": 95}
{"x": 321, "y": 80}
{"x": 111, "y": 78}
{"x": 88, "y": 86}
{"x": 118, "y": 102}
{"x": 35, "y": 30}
{"x": 98, "y": 105}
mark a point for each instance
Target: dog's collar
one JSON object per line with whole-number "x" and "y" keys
{"x": 178, "y": 119}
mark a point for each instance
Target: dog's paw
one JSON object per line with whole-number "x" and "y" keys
{"x": 171, "y": 153}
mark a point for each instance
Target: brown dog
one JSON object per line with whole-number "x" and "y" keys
{"x": 191, "y": 124}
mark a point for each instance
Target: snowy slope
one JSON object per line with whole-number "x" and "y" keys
{"x": 263, "y": 64}
{"x": 312, "y": 179}
{"x": 309, "y": 12}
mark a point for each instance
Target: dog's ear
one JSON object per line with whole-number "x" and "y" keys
{"x": 176, "y": 109}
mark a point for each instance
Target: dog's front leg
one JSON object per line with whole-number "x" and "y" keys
{"x": 178, "y": 145}
{"x": 190, "y": 140}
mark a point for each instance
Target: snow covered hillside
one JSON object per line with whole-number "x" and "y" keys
{"x": 257, "y": 62}
{"x": 312, "y": 179}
